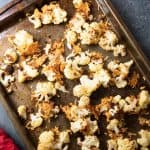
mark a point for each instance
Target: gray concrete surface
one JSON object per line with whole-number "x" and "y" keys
{"x": 136, "y": 14}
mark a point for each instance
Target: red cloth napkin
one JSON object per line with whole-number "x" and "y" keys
{"x": 6, "y": 143}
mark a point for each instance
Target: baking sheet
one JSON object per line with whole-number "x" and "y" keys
{"x": 21, "y": 95}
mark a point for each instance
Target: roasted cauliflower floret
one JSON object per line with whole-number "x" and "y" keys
{"x": 35, "y": 121}
{"x": 77, "y": 22}
{"x": 71, "y": 38}
{"x": 51, "y": 13}
{"x": 86, "y": 87}
{"x": 54, "y": 140}
{"x": 120, "y": 72}
{"x": 44, "y": 91}
{"x": 5, "y": 78}
{"x": 85, "y": 125}
{"x": 122, "y": 144}
{"x": 89, "y": 142}
{"x": 144, "y": 140}
{"x": 72, "y": 71}
{"x": 84, "y": 101}
{"x": 78, "y": 125}
{"x": 114, "y": 126}
{"x": 120, "y": 49}
{"x": 74, "y": 112}
{"x": 108, "y": 40}
{"x": 27, "y": 72}
{"x": 22, "y": 111}
{"x": 90, "y": 33}
{"x": 82, "y": 7}
{"x": 103, "y": 77}
{"x": 144, "y": 99}
{"x": 112, "y": 144}
{"x": 36, "y": 18}
{"x": 46, "y": 140}
{"x": 126, "y": 144}
{"x": 59, "y": 15}
{"x": 24, "y": 43}
{"x": 10, "y": 56}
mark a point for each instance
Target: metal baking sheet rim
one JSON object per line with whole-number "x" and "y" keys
{"x": 104, "y": 4}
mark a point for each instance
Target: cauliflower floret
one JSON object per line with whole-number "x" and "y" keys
{"x": 60, "y": 87}
{"x": 22, "y": 111}
{"x": 46, "y": 137}
{"x": 144, "y": 148}
{"x": 23, "y": 39}
{"x": 95, "y": 66}
{"x": 90, "y": 85}
{"x": 92, "y": 126}
{"x": 113, "y": 65}
{"x": 82, "y": 7}
{"x": 112, "y": 144}
{"x": 78, "y": 125}
{"x": 108, "y": 40}
{"x": 126, "y": 144}
{"x": 63, "y": 138}
{"x": 10, "y": 56}
{"x": 24, "y": 43}
{"x": 53, "y": 140}
{"x": 114, "y": 125}
{"x": 44, "y": 91}
{"x": 120, "y": 72}
{"x": 46, "y": 140}
{"x": 27, "y": 72}
{"x": 90, "y": 33}
{"x": 83, "y": 58}
{"x": 86, "y": 126}
{"x": 71, "y": 38}
{"x": 74, "y": 112}
{"x": 77, "y": 3}
{"x": 144, "y": 99}
{"x": 89, "y": 142}
{"x": 84, "y": 101}
{"x": 6, "y": 79}
{"x": 79, "y": 91}
{"x": 47, "y": 13}
{"x": 36, "y": 18}
{"x": 145, "y": 138}
{"x": 59, "y": 15}
{"x": 51, "y": 13}
{"x": 36, "y": 121}
{"x": 77, "y": 22}
{"x": 122, "y": 144}
{"x": 128, "y": 104}
{"x": 120, "y": 83}
{"x": 86, "y": 87}
{"x": 103, "y": 77}
{"x": 119, "y": 49}
{"x": 72, "y": 71}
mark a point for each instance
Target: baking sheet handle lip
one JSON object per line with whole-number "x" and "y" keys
{"x": 15, "y": 121}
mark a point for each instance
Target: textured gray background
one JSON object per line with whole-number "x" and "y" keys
{"x": 135, "y": 13}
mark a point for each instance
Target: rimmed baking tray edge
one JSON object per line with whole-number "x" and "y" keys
{"x": 143, "y": 65}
